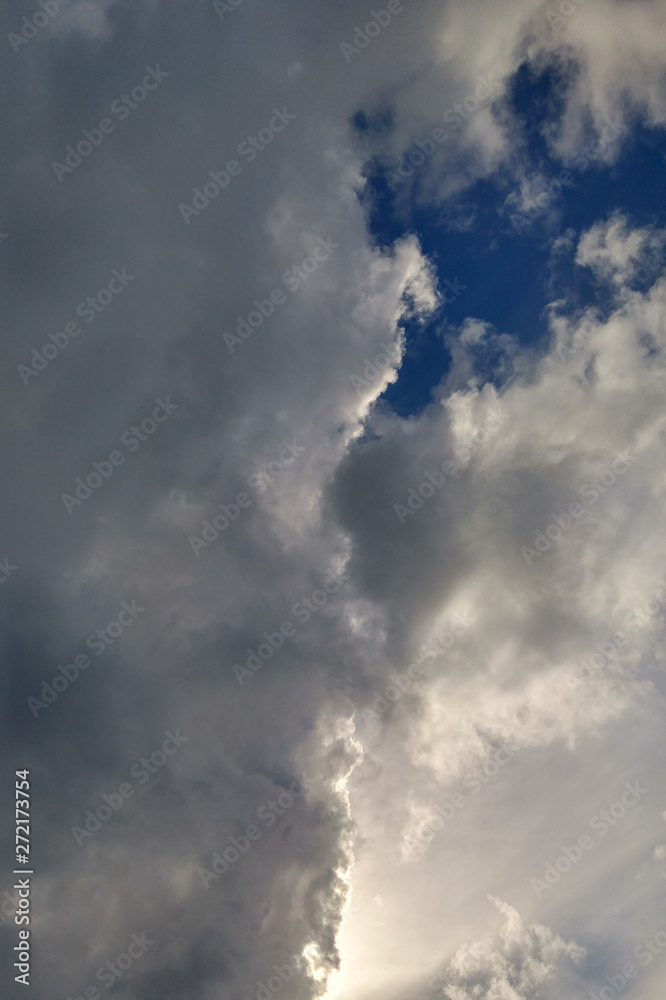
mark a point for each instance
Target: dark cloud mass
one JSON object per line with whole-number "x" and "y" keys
{"x": 321, "y": 687}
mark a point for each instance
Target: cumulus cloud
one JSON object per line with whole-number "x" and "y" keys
{"x": 515, "y": 968}
{"x": 614, "y": 251}
{"x": 527, "y": 433}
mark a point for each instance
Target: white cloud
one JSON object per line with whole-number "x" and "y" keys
{"x": 526, "y": 957}
{"x": 614, "y": 250}
{"x": 565, "y": 415}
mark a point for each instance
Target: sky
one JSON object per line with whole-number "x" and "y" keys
{"x": 333, "y": 575}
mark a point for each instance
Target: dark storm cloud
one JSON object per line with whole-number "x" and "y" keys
{"x": 103, "y": 246}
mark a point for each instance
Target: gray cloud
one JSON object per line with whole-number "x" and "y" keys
{"x": 329, "y": 882}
